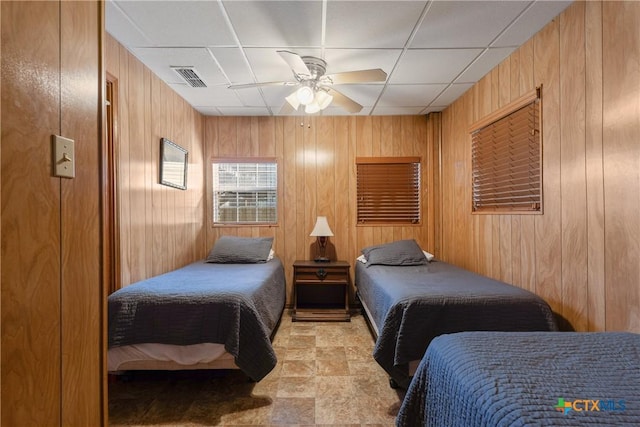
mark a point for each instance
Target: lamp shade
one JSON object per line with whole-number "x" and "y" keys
{"x": 321, "y": 228}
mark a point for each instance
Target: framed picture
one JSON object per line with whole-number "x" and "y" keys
{"x": 173, "y": 164}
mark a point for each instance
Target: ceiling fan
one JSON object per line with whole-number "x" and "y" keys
{"x": 314, "y": 87}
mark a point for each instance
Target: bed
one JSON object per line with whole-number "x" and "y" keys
{"x": 217, "y": 313}
{"x": 475, "y": 379}
{"x": 409, "y": 300}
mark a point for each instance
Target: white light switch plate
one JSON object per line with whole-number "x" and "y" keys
{"x": 64, "y": 157}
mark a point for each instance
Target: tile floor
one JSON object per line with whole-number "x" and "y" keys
{"x": 325, "y": 376}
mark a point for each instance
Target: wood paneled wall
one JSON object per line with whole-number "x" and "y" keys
{"x": 161, "y": 228}
{"x": 316, "y": 167}
{"x": 51, "y": 337}
{"x": 582, "y": 254}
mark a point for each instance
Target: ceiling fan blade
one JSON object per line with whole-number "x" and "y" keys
{"x": 295, "y": 62}
{"x": 344, "y": 101}
{"x": 360, "y": 76}
{"x": 248, "y": 85}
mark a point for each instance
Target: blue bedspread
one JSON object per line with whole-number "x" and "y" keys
{"x": 413, "y": 304}
{"x": 237, "y": 305}
{"x": 495, "y": 379}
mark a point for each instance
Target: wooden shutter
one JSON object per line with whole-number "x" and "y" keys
{"x": 388, "y": 190}
{"x": 506, "y": 159}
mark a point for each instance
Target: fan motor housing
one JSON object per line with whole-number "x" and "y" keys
{"x": 316, "y": 66}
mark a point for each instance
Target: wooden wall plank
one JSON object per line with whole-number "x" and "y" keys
{"x": 548, "y": 227}
{"x": 594, "y": 168}
{"x": 620, "y": 136}
{"x": 573, "y": 170}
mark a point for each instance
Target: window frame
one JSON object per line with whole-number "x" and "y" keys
{"x": 250, "y": 160}
{"x": 413, "y": 161}
{"x": 531, "y": 171}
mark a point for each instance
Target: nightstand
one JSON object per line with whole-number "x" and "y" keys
{"x": 321, "y": 291}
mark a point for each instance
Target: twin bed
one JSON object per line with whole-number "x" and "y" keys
{"x": 409, "y": 300}
{"x": 219, "y": 313}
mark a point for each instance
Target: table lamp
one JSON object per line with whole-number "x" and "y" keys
{"x": 322, "y": 232}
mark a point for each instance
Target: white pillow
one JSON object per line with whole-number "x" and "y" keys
{"x": 271, "y": 255}
{"x": 428, "y": 255}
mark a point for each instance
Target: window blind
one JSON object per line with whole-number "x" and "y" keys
{"x": 506, "y": 160}
{"x": 388, "y": 190}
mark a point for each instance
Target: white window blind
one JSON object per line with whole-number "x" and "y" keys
{"x": 506, "y": 159}
{"x": 245, "y": 191}
{"x": 388, "y": 190}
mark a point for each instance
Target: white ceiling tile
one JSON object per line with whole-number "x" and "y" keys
{"x": 244, "y": 111}
{"x": 160, "y": 60}
{"x": 376, "y": 24}
{"x": 532, "y": 21}
{"x": 432, "y": 65}
{"x": 179, "y": 23}
{"x": 276, "y": 23}
{"x": 410, "y": 95}
{"x": 122, "y": 28}
{"x": 484, "y": 63}
{"x": 455, "y": 23}
{"x": 452, "y": 93}
{"x": 232, "y": 63}
{"x": 199, "y": 96}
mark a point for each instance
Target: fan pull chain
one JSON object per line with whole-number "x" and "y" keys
{"x": 302, "y": 123}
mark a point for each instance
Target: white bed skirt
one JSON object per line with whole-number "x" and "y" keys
{"x": 151, "y": 356}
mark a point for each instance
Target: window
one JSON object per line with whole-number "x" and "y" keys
{"x": 245, "y": 191}
{"x": 388, "y": 190}
{"x": 506, "y": 159}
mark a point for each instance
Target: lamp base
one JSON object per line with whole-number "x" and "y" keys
{"x": 321, "y": 259}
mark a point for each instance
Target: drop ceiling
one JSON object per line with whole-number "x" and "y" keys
{"x": 432, "y": 51}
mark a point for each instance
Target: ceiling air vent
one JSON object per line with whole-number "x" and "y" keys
{"x": 190, "y": 75}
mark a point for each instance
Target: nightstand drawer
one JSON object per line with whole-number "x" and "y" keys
{"x": 323, "y": 274}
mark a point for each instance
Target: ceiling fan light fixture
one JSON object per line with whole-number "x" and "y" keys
{"x": 293, "y": 100}
{"x": 305, "y": 95}
{"x": 312, "y": 108}
{"x": 323, "y": 99}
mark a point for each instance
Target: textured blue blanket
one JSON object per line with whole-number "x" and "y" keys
{"x": 475, "y": 379}
{"x": 413, "y": 304}
{"x": 237, "y": 305}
